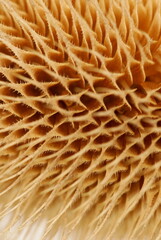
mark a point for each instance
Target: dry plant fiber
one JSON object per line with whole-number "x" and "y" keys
{"x": 80, "y": 117}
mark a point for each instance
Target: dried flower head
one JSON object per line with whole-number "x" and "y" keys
{"x": 80, "y": 117}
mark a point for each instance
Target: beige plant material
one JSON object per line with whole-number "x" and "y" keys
{"x": 80, "y": 116}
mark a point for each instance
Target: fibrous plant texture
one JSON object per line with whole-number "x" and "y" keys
{"x": 80, "y": 117}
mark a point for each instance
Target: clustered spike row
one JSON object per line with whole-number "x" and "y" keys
{"x": 80, "y": 107}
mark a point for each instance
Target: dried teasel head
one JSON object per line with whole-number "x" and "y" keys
{"x": 80, "y": 117}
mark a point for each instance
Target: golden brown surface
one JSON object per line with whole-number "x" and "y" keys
{"x": 80, "y": 116}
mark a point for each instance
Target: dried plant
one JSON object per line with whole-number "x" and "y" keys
{"x": 80, "y": 116}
